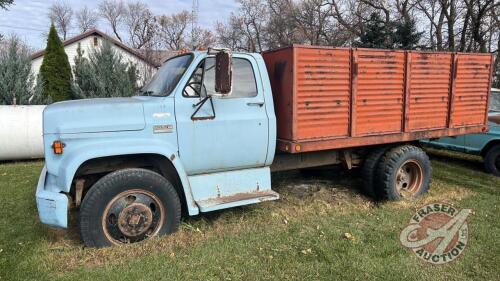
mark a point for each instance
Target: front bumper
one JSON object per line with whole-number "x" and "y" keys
{"x": 52, "y": 206}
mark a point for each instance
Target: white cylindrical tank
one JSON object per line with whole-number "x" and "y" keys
{"x": 21, "y": 132}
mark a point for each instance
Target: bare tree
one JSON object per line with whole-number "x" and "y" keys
{"x": 113, "y": 11}
{"x": 431, "y": 9}
{"x": 172, "y": 31}
{"x": 479, "y": 10}
{"x": 86, "y": 19}
{"x": 281, "y": 29}
{"x": 254, "y": 15}
{"x": 141, "y": 25}
{"x": 380, "y": 5}
{"x": 449, "y": 8}
{"x": 495, "y": 16}
{"x": 231, "y": 34}
{"x": 61, "y": 14}
{"x": 314, "y": 19}
{"x": 204, "y": 38}
{"x": 349, "y": 14}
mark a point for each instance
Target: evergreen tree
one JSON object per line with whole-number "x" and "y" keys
{"x": 104, "y": 74}
{"x": 5, "y": 3}
{"x": 406, "y": 35}
{"x": 377, "y": 34}
{"x": 55, "y": 70}
{"x": 18, "y": 85}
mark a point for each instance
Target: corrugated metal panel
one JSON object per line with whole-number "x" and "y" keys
{"x": 322, "y": 93}
{"x": 472, "y": 85}
{"x": 328, "y": 98}
{"x": 378, "y": 93}
{"x": 429, "y": 90}
{"x": 279, "y": 65}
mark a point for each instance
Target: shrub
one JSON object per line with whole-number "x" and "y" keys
{"x": 18, "y": 85}
{"x": 104, "y": 74}
{"x": 55, "y": 70}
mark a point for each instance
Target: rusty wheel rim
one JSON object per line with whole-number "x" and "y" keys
{"x": 132, "y": 216}
{"x": 409, "y": 179}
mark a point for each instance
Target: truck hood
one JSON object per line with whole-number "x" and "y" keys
{"x": 94, "y": 115}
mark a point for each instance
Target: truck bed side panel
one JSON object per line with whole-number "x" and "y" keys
{"x": 323, "y": 93}
{"x": 378, "y": 100}
{"x": 429, "y": 81}
{"x": 472, "y": 85}
{"x": 330, "y": 98}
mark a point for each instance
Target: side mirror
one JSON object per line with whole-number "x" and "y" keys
{"x": 223, "y": 73}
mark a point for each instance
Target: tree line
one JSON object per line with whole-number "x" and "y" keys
{"x": 132, "y": 23}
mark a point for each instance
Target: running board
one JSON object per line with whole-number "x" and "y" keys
{"x": 235, "y": 200}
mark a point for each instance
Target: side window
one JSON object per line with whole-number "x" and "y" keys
{"x": 193, "y": 87}
{"x": 244, "y": 85}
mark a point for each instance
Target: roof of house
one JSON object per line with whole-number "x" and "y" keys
{"x": 96, "y": 32}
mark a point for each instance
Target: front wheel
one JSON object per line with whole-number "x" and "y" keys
{"x": 492, "y": 160}
{"x": 128, "y": 206}
{"x": 404, "y": 172}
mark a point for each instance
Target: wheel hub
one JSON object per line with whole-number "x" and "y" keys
{"x": 409, "y": 178}
{"x": 135, "y": 219}
{"x": 132, "y": 216}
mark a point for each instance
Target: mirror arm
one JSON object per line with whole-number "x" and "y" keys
{"x": 200, "y": 105}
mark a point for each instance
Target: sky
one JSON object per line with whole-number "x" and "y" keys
{"x": 28, "y": 18}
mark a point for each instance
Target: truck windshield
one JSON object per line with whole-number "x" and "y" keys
{"x": 167, "y": 77}
{"x": 495, "y": 101}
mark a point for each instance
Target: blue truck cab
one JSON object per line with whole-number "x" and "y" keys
{"x": 164, "y": 129}
{"x": 486, "y": 145}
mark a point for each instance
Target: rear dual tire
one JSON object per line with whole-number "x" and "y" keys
{"x": 402, "y": 172}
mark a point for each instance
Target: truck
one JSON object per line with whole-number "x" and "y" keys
{"x": 209, "y": 128}
{"x": 486, "y": 145}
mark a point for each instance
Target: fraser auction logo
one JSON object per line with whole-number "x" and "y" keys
{"x": 438, "y": 233}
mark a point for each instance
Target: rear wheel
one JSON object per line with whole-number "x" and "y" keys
{"x": 128, "y": 206}
{"x": 404, "y": 172}
{"x": 492, "y": 160}
{"x": 369, "y": 171}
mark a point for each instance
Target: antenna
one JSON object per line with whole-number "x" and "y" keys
{"x": 194, "y": 23}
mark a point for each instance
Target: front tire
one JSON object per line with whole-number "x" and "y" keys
{"x": 492, "y": 160}
{"x": 404, "y": 172}
{"x": 128, "y": 206}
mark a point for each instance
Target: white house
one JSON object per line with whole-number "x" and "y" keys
{"x": 92, "y": 39}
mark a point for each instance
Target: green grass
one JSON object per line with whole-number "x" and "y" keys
{"x": 300, "y": 237}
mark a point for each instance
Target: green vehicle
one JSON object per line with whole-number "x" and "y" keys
{"x": 487, "y": 145}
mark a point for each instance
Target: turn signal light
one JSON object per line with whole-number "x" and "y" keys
{"x": 58, "y": 147}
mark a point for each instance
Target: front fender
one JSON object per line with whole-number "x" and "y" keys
{"x": 124, "y": 146}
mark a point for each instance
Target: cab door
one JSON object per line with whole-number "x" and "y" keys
{"x": 456, "y": 143}
{"x": 224, "y": 133}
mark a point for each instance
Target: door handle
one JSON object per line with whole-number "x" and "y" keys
{"x": 260, "y": 103}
